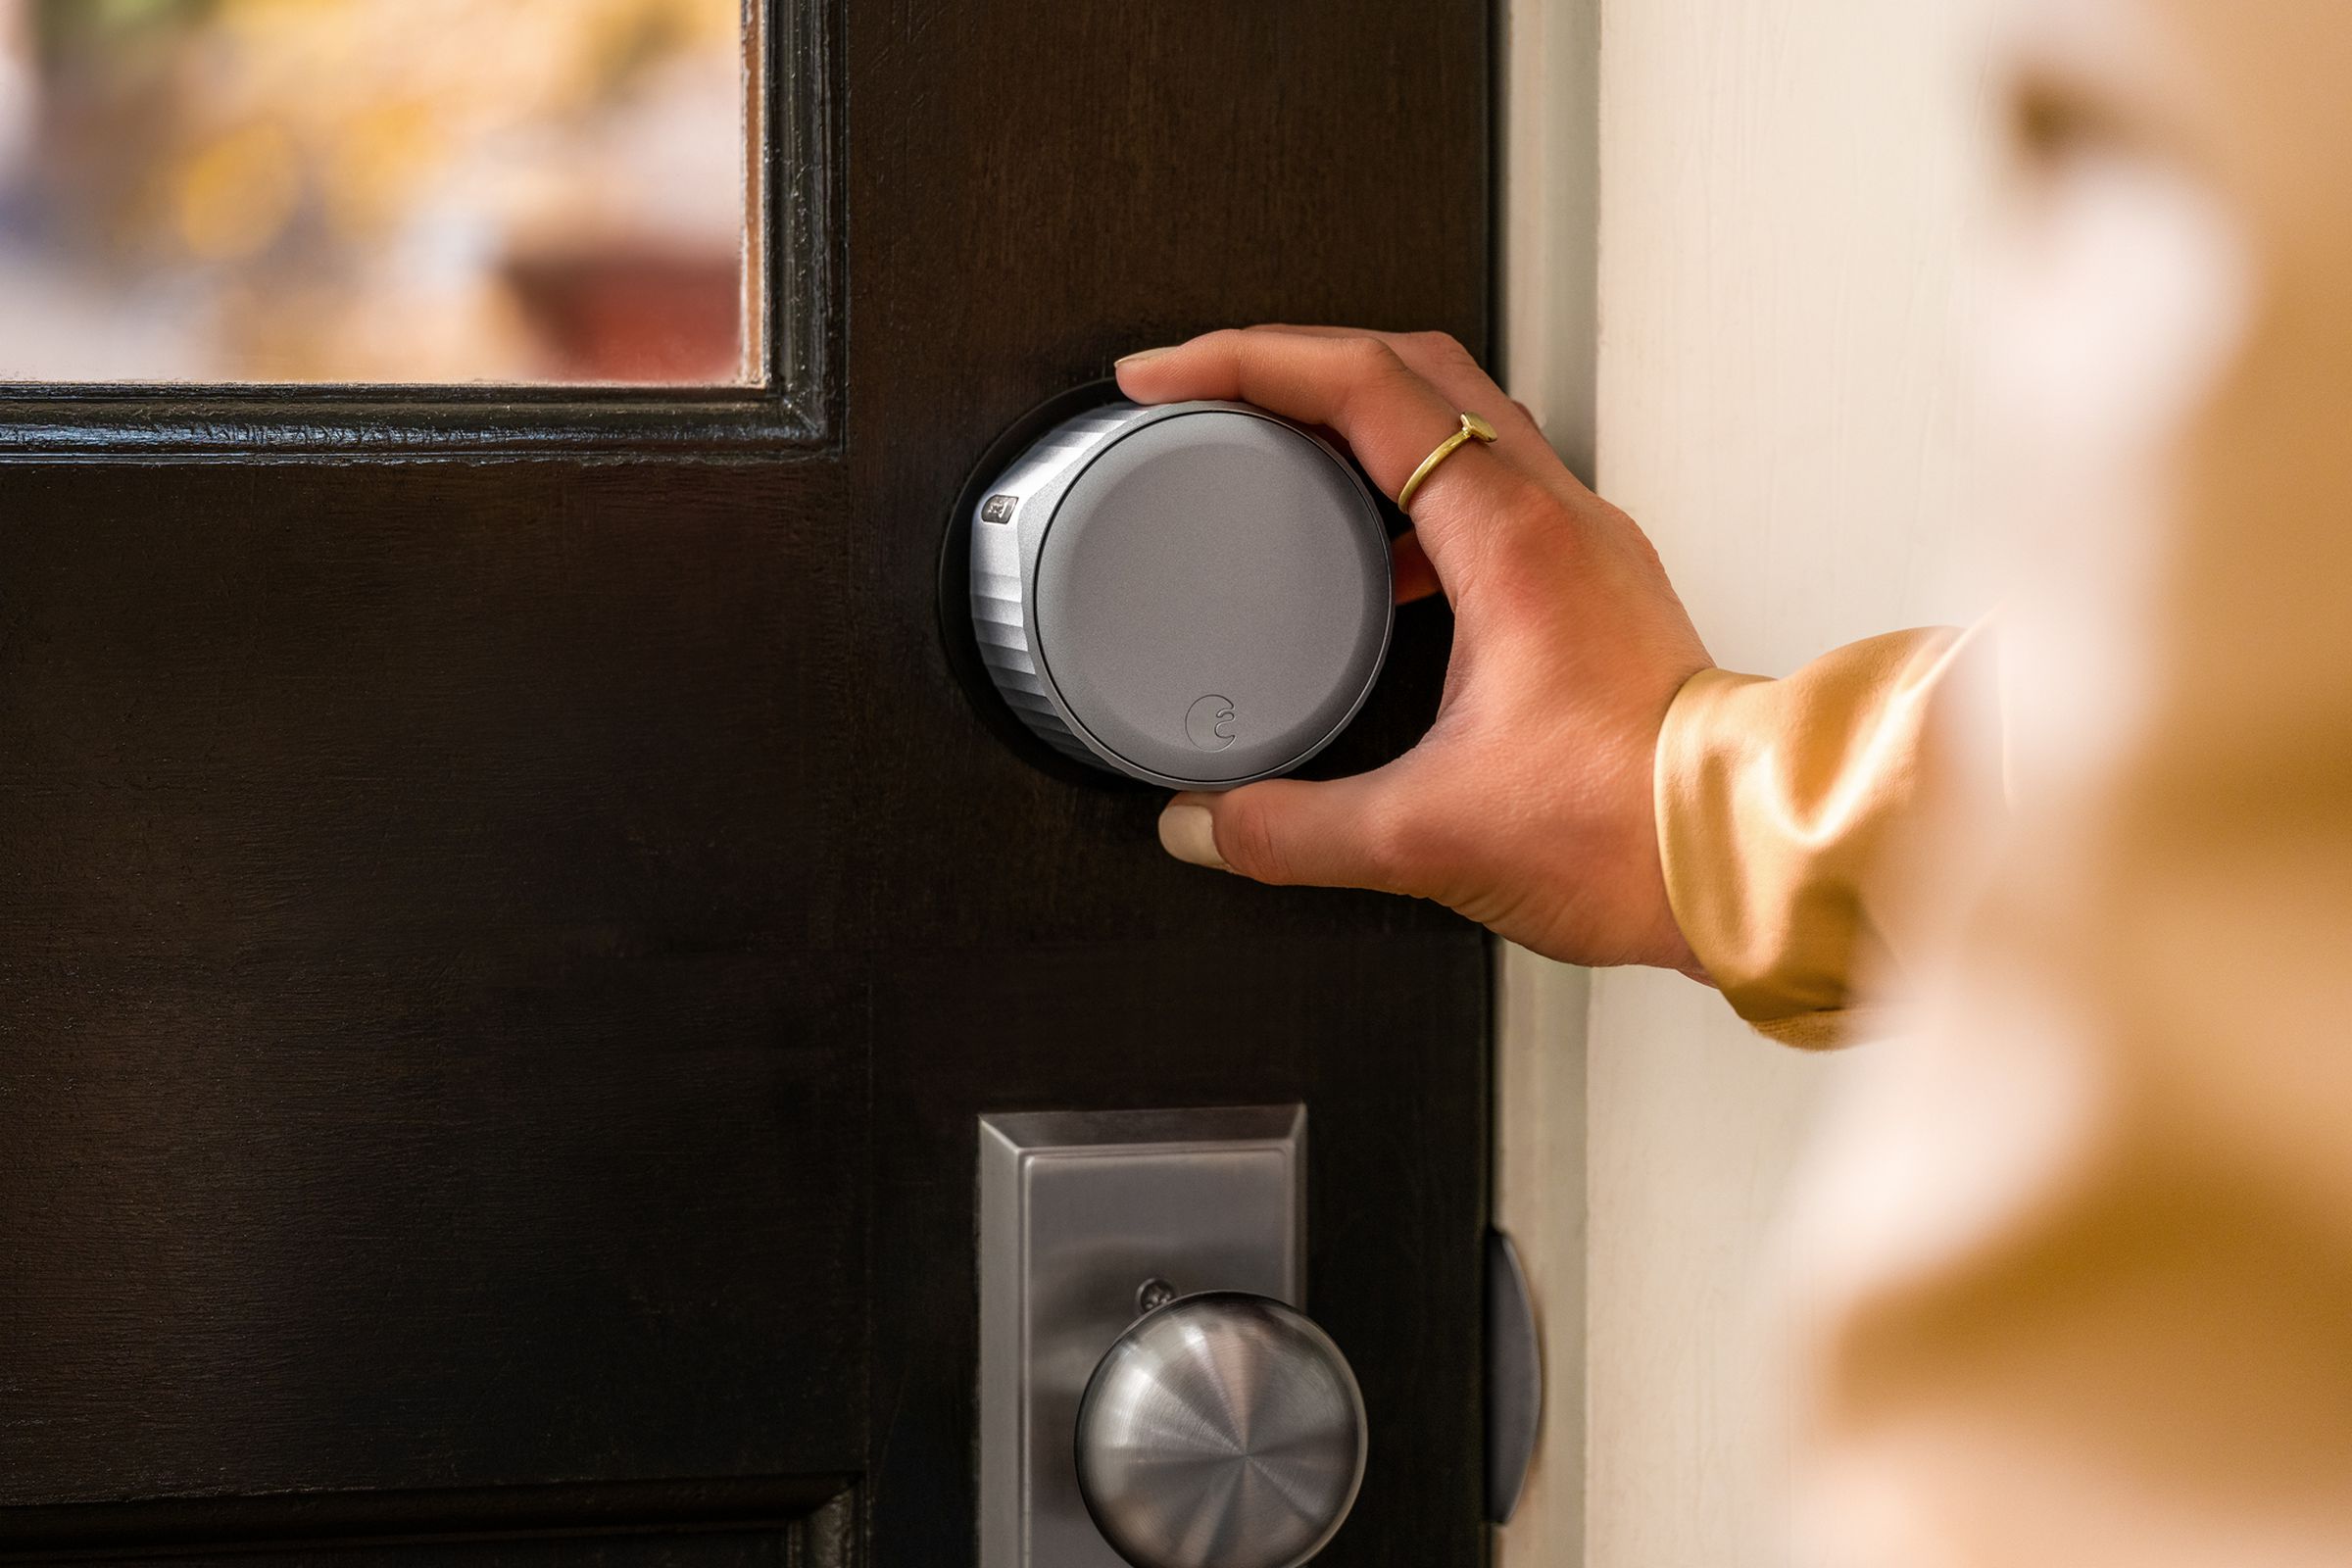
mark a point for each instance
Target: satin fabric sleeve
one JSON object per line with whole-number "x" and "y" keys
{"x": 1778, "y": 803}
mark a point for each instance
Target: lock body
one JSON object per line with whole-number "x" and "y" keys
{"x": 1194, "y": 595}
{"x": 1078, "y": 1212}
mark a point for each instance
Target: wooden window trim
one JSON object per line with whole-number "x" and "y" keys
{"x": 793, "y": 409}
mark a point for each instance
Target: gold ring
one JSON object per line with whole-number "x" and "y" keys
{"x": 1473, "y": 428}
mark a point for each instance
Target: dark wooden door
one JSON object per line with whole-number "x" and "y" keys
{"x": 506, "y": 924}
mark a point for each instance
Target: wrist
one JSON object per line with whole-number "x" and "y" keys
{"x": 1671, "y": 948}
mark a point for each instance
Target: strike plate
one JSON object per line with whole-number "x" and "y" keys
{"x": 1078, "y": 1211}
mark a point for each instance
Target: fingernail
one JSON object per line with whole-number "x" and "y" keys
{"x": 1190, "y": 833}
{"x": 1138, "y": 355}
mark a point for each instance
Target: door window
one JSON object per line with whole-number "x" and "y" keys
{"x": 550, "y": 192}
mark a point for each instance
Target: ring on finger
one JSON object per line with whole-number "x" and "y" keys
{"x": 1473, "y": 428}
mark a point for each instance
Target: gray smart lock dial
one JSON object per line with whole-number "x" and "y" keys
{"x": 1194, "y": 595}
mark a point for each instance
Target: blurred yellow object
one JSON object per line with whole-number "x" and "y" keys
{"x": 2078, "y": 1252}
{"x": 237, "y": 193}
{"x": 385, "y": 152}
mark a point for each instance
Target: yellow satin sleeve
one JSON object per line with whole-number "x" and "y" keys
{"x": 1780, "y": 804}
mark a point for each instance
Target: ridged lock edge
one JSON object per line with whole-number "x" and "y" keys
{"x": 1000, "y": 611}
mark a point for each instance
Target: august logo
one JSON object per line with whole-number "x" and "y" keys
{"x": 1210, "y": 724}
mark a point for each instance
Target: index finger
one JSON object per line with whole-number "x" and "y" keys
{"x": 1443, "y": 361}
{"x": 1390, "y": 417}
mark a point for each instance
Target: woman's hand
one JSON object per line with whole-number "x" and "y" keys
{"x": 1528, "y": 805}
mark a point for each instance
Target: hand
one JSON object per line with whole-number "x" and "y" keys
{"x": 1528, "y": 805}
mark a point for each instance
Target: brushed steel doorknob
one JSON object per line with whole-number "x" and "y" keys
{"x": 1222, "y": 1430}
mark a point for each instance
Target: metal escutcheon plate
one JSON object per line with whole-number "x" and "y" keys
{"x": 1079, "y": 1212}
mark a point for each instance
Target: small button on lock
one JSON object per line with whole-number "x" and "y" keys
{"x": 999, "y": 509}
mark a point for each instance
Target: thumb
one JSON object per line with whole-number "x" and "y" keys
{"x": 1345, "y": 833}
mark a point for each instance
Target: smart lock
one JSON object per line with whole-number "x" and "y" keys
{"x": 1194, "y": 595}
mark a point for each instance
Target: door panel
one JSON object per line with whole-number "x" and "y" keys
{"x": 507, "y": 930}
{"x": 1344, "y": 1020}
{"x": 422, "y": 1052}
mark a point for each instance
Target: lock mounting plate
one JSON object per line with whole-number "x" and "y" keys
{"x": 1079, "y": 1212}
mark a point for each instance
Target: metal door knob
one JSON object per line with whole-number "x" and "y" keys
{"x": 1222, "y": 1430}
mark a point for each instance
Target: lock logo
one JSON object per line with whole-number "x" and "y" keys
{"x": 1210, "y": 725}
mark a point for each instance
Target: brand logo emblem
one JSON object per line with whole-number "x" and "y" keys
{"x": 1210, "y": 724}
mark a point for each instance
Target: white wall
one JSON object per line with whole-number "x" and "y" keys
{"x": 1763, "y": 371}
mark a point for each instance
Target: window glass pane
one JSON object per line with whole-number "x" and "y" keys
{"x": 545, "y": 191}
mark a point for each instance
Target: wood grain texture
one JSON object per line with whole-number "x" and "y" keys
{"x": 419, "y": 1050}
{"x": 1073, "y": 965}
{"x": 788, "y": 1522}
{"x": 501, "y": 956}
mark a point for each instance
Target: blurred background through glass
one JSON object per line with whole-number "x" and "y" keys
{"x": 548, "y": 191}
